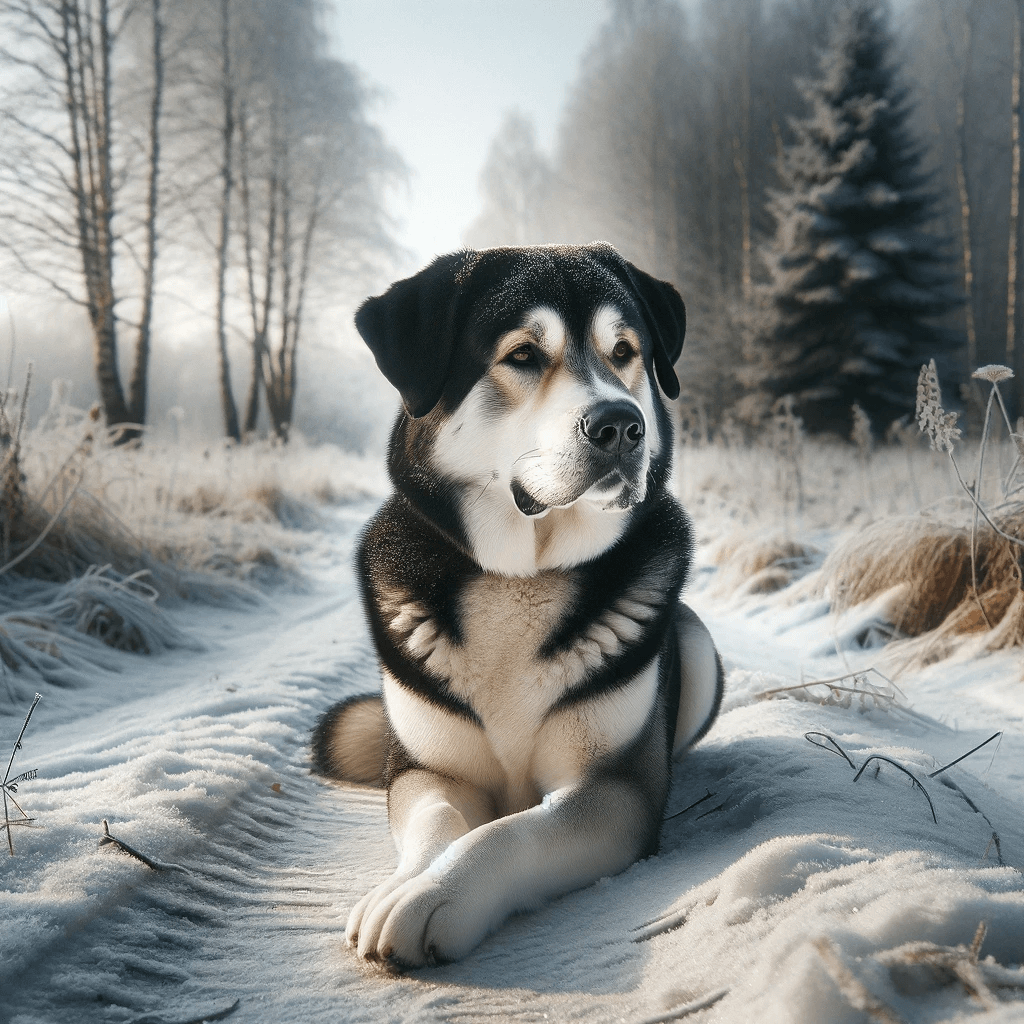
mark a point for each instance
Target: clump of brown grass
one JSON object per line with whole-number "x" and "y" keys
{"x": 930, "y": 561}
{"x": 287, "y": 509}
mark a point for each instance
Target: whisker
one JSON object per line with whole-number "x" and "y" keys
{"x": 532, "y": 453}
{"x": 483, "y": 490}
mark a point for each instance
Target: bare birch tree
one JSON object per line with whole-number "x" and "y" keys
{"x": 227, "y": 172}
{"x": 296, "y": 188}
{"x": 962, "y": 62}
{"x": 515, "y": 187}
{"x": 1012, "y": 356}
{"x": 63, "y": 181}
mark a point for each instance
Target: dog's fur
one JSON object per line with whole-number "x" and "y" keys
{"x": 521, "y": 587}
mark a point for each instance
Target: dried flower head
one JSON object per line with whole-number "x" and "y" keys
{"x": 939, "y": 425}
{"x": 993, "y": 373}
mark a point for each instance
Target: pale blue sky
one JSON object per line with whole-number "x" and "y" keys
{"x": 448, "y": 70}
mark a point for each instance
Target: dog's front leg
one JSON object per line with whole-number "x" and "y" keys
{"x": 575, "y": 836}
{"x": 426, "y": 812}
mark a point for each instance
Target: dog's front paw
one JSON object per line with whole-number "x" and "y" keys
{"x": 426, "y": 920}
{"x": 356, "y": 932}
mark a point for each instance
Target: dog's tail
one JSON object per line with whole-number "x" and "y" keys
{"x": 350, "y": 741}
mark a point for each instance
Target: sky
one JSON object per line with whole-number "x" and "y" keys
{"x": 446, "y": 72}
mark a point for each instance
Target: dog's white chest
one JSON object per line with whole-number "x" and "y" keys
{"x": 498, "y": 668}
{"x": 501, "y": 670}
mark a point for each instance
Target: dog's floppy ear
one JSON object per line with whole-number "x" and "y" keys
{"x": 663, "y": 312}
{"x": 410, "y": 330}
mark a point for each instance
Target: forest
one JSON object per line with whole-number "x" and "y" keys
{"x": 687, "y": 140}
{"x": 167, "y": 162}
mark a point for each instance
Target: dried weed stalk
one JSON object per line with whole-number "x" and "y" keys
{"x": 845, "y": 691}
{"x": 853, "y": 990}
{"x": 831, "y": 744}
{"x": 9, "y": 786}
{"x": 941, "y": 428}
{"x": 919, "y": 967}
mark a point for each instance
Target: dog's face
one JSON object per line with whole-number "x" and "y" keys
{"x": 530, "y": 379}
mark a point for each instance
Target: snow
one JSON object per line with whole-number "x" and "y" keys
{"x": 197, "y": 756}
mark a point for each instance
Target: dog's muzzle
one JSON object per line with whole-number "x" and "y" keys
{"x": 608, "y": 461}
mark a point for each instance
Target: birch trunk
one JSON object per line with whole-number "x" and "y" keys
{"x": 140, "y": 372}
{"x": 1012, "y": 355}
{"x": 227, "y": 397}
{"x": 962, "y": 185}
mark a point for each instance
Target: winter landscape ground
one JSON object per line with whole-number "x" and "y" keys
{"x": 790, "y": 886}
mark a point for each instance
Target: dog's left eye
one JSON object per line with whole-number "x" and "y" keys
{"x": 622, "y": 351}
{"x": 524, "y": 355}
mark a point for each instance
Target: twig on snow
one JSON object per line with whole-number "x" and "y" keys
{"x": 108, "y": 840}
{"x": 150, "y": 1018}
{"x": 707, "y": 796}
{"x": 694, "y": 1006}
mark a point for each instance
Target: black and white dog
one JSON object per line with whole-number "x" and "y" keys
{"x": 521, "y": 585}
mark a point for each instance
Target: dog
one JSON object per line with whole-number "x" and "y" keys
{"x": 521, "y": 584}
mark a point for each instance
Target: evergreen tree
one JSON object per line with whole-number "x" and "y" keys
{"x": 854, "y": 275}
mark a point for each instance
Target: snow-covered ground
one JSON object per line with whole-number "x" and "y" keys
{"x": 783, "y": 891}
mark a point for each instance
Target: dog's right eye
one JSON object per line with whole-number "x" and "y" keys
{"x": 524, "y": 355}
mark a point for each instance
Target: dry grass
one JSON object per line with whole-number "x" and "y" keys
{"x": 929, "y": 561}
{"x": 910, "y": 524}
{"x": 760, "y": 565}
{"x": 94, "y": 538}
{"x": 186, "y": 515}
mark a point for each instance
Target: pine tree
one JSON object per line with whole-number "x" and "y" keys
{"x": 855, "y": 277}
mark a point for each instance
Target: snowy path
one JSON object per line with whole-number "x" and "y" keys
{"x": 200, "y": 761}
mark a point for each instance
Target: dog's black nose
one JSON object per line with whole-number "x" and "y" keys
{"x": 614, "y": 427}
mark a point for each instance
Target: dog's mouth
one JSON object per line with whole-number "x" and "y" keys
{"x": 526, "y": 502}
{"x": 610, "y": 492}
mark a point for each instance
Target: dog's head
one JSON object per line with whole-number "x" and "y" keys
{"x": 530, "y": 380}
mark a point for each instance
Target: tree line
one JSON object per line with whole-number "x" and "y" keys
{"x": 218, "y": 144}
{"x": 834, "y": 192}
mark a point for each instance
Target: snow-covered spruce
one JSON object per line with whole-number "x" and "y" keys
{"x": 855, "y": 277}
